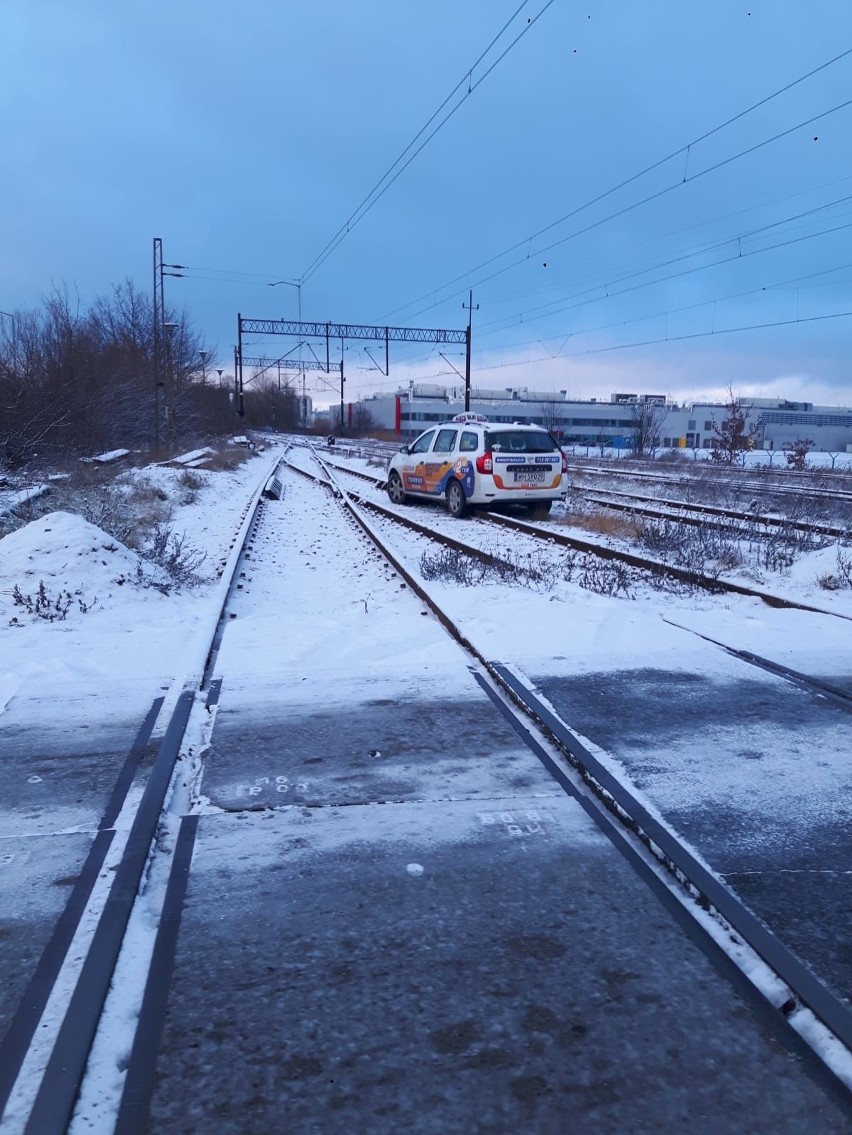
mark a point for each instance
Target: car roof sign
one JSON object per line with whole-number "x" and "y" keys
{"x": 469, "y": 416}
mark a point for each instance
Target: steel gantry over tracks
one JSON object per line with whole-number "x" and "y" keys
{"x": 343, "y": 331}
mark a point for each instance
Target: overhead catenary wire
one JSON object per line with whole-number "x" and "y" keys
{"x": 658, "y": 163}
{"x": 560, "y": 303}
{"x": 677, "y": 338}
{"x": 408, "y": 155}
{"x": 609, "y": 286}
{"x": 646, "y": 200}
{"x": 665, "y": 313}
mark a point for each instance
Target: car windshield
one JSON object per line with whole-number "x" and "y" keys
{"x": 519, "y": 441}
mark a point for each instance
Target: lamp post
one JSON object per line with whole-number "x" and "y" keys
{"x": 171, "y": 410}
{"x": 205, "y": 358}
{"x": 297, "y": 284}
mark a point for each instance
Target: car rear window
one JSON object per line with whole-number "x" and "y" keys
{"x": 520, "y": 441}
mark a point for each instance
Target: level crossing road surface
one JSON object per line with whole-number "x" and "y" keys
{"x": 745, "y": 767}
{"x": 396, "y": 920}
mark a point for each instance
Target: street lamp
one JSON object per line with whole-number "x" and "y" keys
{"x": 171, "y": 410}
{"x": 205, "y": 357}
{"x": 297, "y": 284}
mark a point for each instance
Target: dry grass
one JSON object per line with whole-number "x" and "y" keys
{"x": 229, "y": 457}
{"x": 604, "y": 524}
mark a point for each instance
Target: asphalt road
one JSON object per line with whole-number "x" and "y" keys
{"x": 437, "y": 939}
{"x": 747, "y": 770}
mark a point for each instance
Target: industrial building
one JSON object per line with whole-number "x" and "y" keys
{"x": 610, "y": 423}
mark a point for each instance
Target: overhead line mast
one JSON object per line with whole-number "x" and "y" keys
{"x": 343, "y": 331}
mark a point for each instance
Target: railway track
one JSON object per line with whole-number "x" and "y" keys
{"x": 128, "y": 845}
{"x": 550, "y": 535}
{"x": 685, "y": 513}
{"x": 746, "y": 483}
{"x": 617, "y": 801}
{"x": 821, "y": 688}
{"x": 159, "y": 835}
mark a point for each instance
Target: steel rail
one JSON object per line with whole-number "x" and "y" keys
{"x": 702, "y": 886}
{"x": 732, "y": 482}
{"x": 711, "y": 891}
{"x": 60, "y": 1085}
{"x": 646, "y": 508}
{"x": 817, "y": 686}
{"x": 655, "y": 567}
{"x": 706, "y": 583}
{"x": 25, "y": 1021}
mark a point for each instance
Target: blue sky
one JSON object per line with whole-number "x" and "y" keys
{"x": 246, "y": 134}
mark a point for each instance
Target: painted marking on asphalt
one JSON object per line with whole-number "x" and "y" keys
{"x": 515, "y": 824}
{"x": 279, "y": 783}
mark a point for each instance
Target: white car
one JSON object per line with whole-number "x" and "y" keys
{"x": 471, "y": 461}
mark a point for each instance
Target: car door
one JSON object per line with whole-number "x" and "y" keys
{"x": 413, "y": 469}
{"x": 439, "y": 463}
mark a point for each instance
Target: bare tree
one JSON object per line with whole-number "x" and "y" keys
{"x": 551, "y": 418}
{"x": 74, "y": 381}
{"x": 363, "y": 422}
{"x": 645, "y": 424}
{"x": 736, "y": 433}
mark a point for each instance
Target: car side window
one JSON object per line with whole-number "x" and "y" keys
{"x": 468, "y": 442}
{"x": 422, "y": 443}
{"x": 445, "y": 441}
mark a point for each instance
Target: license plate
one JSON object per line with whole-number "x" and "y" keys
{"x": 530, "y": 476}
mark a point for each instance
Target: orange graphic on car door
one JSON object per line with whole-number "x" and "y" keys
{"x": 427, "y": 476}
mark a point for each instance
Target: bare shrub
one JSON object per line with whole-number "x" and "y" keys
{"x": 49, "y": 608}
{"x": 606, "y": 577}
{"x": 796, "y": 452}
{"x": 177, "y": 559}
{"x": 829, "y": 582}
{"x": 126, "y": 512}
{"x": 189, "y": 483}
{"x": 840, "y": 580}
{"x": 532, "y": 571}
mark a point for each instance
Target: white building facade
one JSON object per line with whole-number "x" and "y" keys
{"x": 611, "y": 423}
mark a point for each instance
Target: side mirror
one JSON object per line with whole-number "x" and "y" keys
{"x": 404, "y": 449}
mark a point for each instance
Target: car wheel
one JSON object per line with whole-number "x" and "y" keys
{"x": 540, "y": 510}
{"x": 395, "y": 490}
{"x": 456, "y": 500}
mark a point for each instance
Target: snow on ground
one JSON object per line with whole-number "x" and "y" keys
{"x": 127, "y": 634}
{"x": 63, "y": 553}
{"x": 137, "y": 634}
